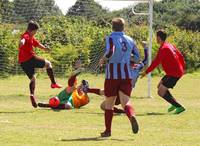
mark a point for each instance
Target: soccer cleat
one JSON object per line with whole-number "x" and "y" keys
{"x": 134, "y": 124}
{"x": 171, "y": 108}
{"x": 179, "y": 110}
{"x": 105, "y": 134}
{"x": 85, "y": 86}
{"x": 33, "y": 102}
{"x": 56, "y": 85}
{"x": 43, "y": 105}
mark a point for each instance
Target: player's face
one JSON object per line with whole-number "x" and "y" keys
{"x": 158, "y": 39}
{"x": 33, "y": 32}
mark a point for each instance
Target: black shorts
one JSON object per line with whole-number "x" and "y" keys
{"x": 30, "y": 65}
{"x": 169, "y": 81}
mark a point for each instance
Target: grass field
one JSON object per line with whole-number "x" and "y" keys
{"x": 21, "y": 125}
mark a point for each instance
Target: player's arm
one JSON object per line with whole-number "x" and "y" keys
{"x": 145, "y": 60}
{"x": 36, "y": 43}
{"x": 154, "y": 64}
{"x": 41, "y": 46}
{"x": 136, "y": 54}
{"x": 109, "y": 50}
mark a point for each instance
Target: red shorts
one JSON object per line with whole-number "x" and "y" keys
{"x": 113, "y": 86}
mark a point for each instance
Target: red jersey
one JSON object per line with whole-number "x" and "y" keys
{"x": 171, "y": 59}
{"x": 26, "y": 51}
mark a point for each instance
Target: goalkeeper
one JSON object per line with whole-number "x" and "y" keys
{"x": 72, "y": 96}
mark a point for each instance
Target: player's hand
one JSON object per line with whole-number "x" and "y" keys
{"x": 143, "y": 74}
{"x": 47, "y": 49}
{"x": 144, "y": 44}
{"x": 77, "y": 64}
{"x": 101, "y": 61}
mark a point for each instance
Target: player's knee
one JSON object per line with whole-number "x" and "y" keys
{"x": 48, "y": 64}
{"x": 33, "y": 79}
{"x": 160, "y": 93}
{"x": 102, "y": 106}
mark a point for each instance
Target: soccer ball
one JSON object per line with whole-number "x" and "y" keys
{"x": 54, "y": 102}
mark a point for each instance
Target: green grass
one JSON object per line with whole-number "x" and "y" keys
{"x": 21, "y": 125}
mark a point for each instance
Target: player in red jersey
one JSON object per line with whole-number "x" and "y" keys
{"x": 173, "y": 64}
{"x": 29, "y": 61}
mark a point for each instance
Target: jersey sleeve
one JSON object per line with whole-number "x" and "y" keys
{"x": 157, "y": 60}
{"x": 109, "y": 50}
{"x": 35, "y": 42}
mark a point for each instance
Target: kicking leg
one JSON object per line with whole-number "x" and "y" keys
{"x": 51, "y": 74}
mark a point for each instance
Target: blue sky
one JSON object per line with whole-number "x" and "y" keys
{"x": 64, "y": 5}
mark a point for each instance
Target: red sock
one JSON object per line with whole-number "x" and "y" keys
{"x": 108, "y": 115}
{"x": 129, "y": 111}
{"x": 93, "y": 90}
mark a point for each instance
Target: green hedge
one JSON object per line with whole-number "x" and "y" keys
{"x": 74, "y": 37}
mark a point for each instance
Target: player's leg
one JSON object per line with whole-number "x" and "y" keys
{"x": 30, "y": 71}
{"x": 169, "y": 82}
{"x": 110, "y": 89}
{"x": 44, "y": 105}
{"x": 115, "y": 109}
{"x": 50, "y": 73}
{"x": 32, "y": 91}
{"x": 117, "y": 102}
{"x": 124, "y": 94}
{"x": 63, "y": 106}
{"x": 108, "y": 115}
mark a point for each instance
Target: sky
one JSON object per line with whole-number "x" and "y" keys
{"x": 64, "y": 5}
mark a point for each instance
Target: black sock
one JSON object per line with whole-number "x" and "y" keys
{"x": 169, "y": 98}
{"x": 117, "y": 110}
{"x": 32, "y": 87}
{"x": 51, "y": 75}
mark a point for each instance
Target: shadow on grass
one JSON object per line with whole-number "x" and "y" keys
{"x": 152, "y": 114}
{"x": 15, "y": 112}
{"x": 95, "y": 139}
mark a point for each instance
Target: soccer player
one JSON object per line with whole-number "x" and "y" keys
{"x": 72, "y": 96}
{"x": 119, "y": 48}
{"x": 173, "y": 64}
{"x": 29, "y": 61}
{"x": 135, "y": 70}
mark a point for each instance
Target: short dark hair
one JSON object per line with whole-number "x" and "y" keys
{"x": 32, "y": 25}
{"x": 118, "y": 24}
{"x": 162, "y": 34}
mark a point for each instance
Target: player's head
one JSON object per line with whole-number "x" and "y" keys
{"x": 33, "y": 27}
{"x": 161, "y": 36}
{"x": 118, "y": 24}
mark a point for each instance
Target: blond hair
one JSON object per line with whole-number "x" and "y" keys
{"x": 118, "y": 24}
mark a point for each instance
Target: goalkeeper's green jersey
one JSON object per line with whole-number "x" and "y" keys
{"x": 65, "y": 97}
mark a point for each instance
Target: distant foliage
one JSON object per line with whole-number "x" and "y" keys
{"x": 80, "y": 34}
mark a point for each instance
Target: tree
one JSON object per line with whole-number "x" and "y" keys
{"x": 6, "y": 11}
{"x": 88, "y": 9}
{"x": 26, "y": 10}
